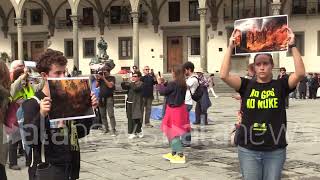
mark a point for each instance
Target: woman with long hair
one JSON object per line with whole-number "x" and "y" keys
{"x": 175, "y": 122}
{"x": 4, "y": 100}
{"x": 262, "y": 133}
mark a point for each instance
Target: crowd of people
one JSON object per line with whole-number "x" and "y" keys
{"x": 25, "y": 106}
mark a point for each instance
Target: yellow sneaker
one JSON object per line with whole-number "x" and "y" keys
{"x": 178, "y": 159}
{"x": 168, "y": 156}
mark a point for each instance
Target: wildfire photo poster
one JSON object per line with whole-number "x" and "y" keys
{"x": 263, "y": 34}
{"x": 71, "y": 98}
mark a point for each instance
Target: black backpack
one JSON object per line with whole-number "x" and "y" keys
{"x": 198, "y": 93}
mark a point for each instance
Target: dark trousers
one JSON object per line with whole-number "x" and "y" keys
{"x": 313, "y": 93}
{"x": 287, "y": 101}
{"x": 61, "y": 173}
{"x": 13, "y": 155}
{"x": 147, "y": 104}
{"x": 107, "y": 105}
{"x": 199, "y": 113}
{"x": 134, "y": 125}
{"x": 3, "y": 175}
{"x": 302, "y": 95}
{"x": 186, "y": 138}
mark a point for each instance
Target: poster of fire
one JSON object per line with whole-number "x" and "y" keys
{"x": 71, "y": 98}
{"x": 262, "y": 34}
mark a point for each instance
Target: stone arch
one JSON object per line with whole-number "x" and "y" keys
{"x": 155, "y": 12}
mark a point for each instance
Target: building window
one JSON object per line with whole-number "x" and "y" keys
{"x": 36, "y": 16}
{"x": 195, "y": 46}
{"x": 89, "y": 48}
{"x": 299, "y": 41}
{"x": 68, "y": 48}
{"x": 87, "y": 16}
{"x": 299, "y": 7}
{"x": 68, "y": 18}
{"x": 193, "y": 11}
{"x": 174, "y": 11}
{"x": 119, "y": 15}
{"x": 125, "y": 47}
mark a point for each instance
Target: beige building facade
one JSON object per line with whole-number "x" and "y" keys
{"x": 158, "y": 33}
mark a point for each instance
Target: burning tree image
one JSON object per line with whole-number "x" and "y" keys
{"x": 70, "y": 98}
{"x": 266, "y": 34}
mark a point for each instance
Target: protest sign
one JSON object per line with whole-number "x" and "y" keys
{"x": 71, "y": 98}
{"x": 262, "y": 34}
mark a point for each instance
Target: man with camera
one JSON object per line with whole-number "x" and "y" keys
{"x": 106, "y": 101}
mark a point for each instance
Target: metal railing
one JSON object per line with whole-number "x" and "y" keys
{"x": 306, "y": 8}
{"x": 233, "y": 13}
{"x": 64, "y": 23}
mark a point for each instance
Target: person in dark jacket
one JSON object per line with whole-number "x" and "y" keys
{"x": 147, "y": 94}
{"x": 134, "y": 105}
{"x": 204, "y": 103}
{"x": 313, "y": 86}
{"x": 106, "y": 101}
{"x": 175, "y": 123}
{"x": 284, "y": 75}
{"x": 59, "y": 140}
{"x": 303, "y": 88}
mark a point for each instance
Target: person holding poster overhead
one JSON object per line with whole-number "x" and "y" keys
{"x": 55, "y": 148}
{"x": 262, "y": 132}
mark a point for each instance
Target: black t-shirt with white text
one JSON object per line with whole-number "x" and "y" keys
{"x": 264, "y": 119}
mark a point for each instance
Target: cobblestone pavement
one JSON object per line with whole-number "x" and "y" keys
{"x": 210, "y": 157}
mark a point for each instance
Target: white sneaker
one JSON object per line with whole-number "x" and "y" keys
{"x": 140, "y": 135}
{"x": 131, "y": 136}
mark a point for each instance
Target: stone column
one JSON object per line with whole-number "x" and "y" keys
{"x": 203, "y": 39}
{"x": 135, "y": 38}
{"x": 75, "y": 28}
{"x": 276, "y": 7}
{"x": 19, "y": 22}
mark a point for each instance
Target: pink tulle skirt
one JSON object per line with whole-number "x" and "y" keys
{"x": 175, "y": 121}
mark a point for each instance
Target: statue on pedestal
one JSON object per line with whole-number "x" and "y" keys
{"x": 101, "y": 62}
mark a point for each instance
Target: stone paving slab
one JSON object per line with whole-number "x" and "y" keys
{"x": 210, "y": 157}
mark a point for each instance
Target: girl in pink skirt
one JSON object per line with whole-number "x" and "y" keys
{"x": 175, "y": 122}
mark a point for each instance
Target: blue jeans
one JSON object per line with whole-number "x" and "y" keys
{"x": 261, "y": 165}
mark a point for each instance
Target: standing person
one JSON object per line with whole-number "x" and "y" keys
{"x": 106, "y": 101}
{"x": 261, "y": 156}
{"x": 58, "y": 140}
{"x": 303, "y": 88}
{"x": 4, "y": 101}
{"x": 192, "y": 84}
{"x": 134, "y": 105}
{"x": 211, "y": 85}
{"x": 155, "y": 79}
{"x": 284, "y": 75}
{"x": 204, "y": 103}
{"x": 147, "y": 94}
{"x": 313, "y": 86}
{"x": 176, "y": 119}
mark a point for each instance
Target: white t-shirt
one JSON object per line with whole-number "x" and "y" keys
{"x": 192, "y": 83}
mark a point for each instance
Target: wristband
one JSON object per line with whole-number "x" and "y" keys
{"x": 292, "y": 45}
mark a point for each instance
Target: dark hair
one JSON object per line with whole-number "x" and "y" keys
{"x": 283, "y": 69}
{"x": 178, "y": 71}
{"x": 211, "y": 74}
{"x": 48, "y": 58}
{"x": 188, "y": 65}
{"x": 135, "y": 67}
{"x": 5, "y": 75}
{"x": 138, "y": 73}
{"x": 266, "y": 54}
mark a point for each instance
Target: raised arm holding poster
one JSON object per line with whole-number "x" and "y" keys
{"x": 70, "y": 98}
{"x": 263, "y": 34}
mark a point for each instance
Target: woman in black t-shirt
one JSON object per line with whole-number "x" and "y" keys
{"x": 262, "y": 133}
